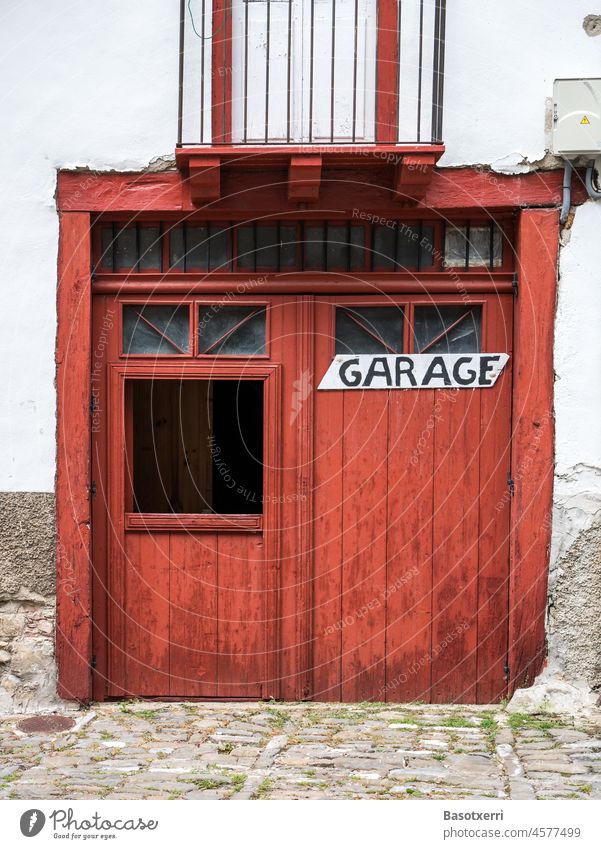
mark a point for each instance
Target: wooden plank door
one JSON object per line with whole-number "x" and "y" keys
{"x": 187, "y": 589}
{"x": 411, "y": 528}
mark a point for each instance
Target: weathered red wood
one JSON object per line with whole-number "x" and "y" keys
{"x": 409, "y": 545}
{"x": 241, "y": 643}
{"x": 413, "y": 175}
{"x": 532, "y": 443}
{"x": 74, "y": 629}
{"x": 459, "y": 189}
{"x": 146, "y": 609}
{"x": 304, "y": 178}
{"x": 364, "y": 545}
{"x": 307, "y": 282}
{"x": 103, "y": 327}
{"x": 328, "y": 500}
{"x": 204, "y": 178}
{"x": 387, "y": 72}
{"x": 221, "y": 88}
{"x": 193, "y": 610}
{"x": 495, "y": 463}
{"x": 455, "y": 540}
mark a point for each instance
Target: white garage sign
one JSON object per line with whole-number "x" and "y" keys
{"x": 414, "y": 371}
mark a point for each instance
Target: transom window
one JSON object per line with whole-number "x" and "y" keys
{"x": 362, "y": 244}
{"x": 435, "y": 329}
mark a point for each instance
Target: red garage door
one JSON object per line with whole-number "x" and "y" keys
{"x": 256, "y": 535}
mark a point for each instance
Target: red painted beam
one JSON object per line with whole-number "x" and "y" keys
{"x": 451, "y": 189}
{"x": 73, "y": 596}
{"x": 387, "y": 72}
{"x": 532, "y": 443}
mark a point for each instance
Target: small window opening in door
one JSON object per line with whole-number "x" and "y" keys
{"x": 195, "y": 446}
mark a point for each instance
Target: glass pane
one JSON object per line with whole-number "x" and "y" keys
{"x": 337, "y": 247}
{"x": 408, "y": 246}
{"x": 369, "y": 330}
{"x": 126, "y": 252}
{"x": 480, "y": 246}
{"x": 190, "y": 440}
{"x": 426, "y": 256}
{"x": 357, "y": 248}
{"x": 287, "y": 247}
{"x": 160, "y": 330}
{"x": 497, "y": 247}
{"x": 235, "y": 331}
{"x": 245, "y": 247}
{"x": 455, "y": 247}
{"x": 177, "y": 249}
{"x": 150, "y": 248}
{"x": 197, "y": 248}
{"x": 267, "y": 247}
{"x": 219, "y": 254}
{"x": 314, "y": 247}
{"x": 106, "y": 248}
{"x": 384, "y": 247}
{"x": 444, "y": 329}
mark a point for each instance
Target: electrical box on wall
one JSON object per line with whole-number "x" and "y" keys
{"x": 577, "y": 117}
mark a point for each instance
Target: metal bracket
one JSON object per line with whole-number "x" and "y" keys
{"x": 511, "y": 484}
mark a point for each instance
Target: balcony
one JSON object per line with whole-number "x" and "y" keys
{"x": 322, "y": 73}
{"x": 310, "y": 85}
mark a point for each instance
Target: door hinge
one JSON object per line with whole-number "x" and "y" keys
{"x": 93, "y": 662}
{"x": 93, "y": 489}
{"x": 511, "y": 484}
{"x": 506, "y": 670}
{"x": 515, "y": 283}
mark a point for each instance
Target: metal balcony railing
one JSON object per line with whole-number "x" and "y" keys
{"x": 311, "y": 72}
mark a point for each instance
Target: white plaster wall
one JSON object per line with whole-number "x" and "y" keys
{"x": 85, "y": 83}
{"x": 94, "y": 83}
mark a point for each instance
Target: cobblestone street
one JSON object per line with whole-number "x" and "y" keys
{"x": 303, "y": 751}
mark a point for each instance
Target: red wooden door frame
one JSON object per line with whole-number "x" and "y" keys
{"x": 120, "y": 521}
{"x": 533, "y": 439}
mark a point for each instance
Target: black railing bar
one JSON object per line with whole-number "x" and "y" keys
{"x": 435, "y": 72}
{"x": 114, "y": 247}
{"x": 332, "y": 71}
{"x": 180, "y": 91}
{"x": 311, "y": 70}
{"x": 202, "y": 74}
{"x": 468, "y": 235}
{"x": 289, "y": 71}
{"x": 246, "y": 72}
{"x": 420, "y": 235}
{"x": 420, "y": 71}
{"x": 441, "y": 61}
{"x": 267, "y": 59}
{"x": 492, "y": 247}
{"x": 254, "y": 246}
{"x": 302, "y": 245}
{"x": 355, "y": 72}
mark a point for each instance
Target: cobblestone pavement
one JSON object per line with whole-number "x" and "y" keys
{"x": 140, "y": 750}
